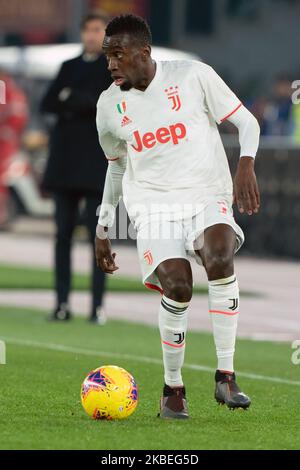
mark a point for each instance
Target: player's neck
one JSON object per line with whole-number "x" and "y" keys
{"x": 150, "y": 72}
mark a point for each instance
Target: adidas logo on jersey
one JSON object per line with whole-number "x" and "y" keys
{"x": 163, "y": 135}
{"x": 125, "y": 121}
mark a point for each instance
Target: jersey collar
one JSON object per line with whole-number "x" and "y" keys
{"x": 152, "y": 84}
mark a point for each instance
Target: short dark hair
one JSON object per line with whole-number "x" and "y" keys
{"x": 133, "y": 25}
{"x": 94, "y": 16}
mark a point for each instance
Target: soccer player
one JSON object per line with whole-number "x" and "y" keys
{"x": 157, "y": 125}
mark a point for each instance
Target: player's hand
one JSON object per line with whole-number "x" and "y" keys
{"x": 246, "y": 192}
{"x": 104, "y": 257}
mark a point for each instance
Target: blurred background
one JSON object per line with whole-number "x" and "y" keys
{"x": 252, "y": 44}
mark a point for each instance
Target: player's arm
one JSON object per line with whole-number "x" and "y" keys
{"x": 116, "y": 152}
{"x": 111, "y": 196}
{"x": 246, "y": 192}
{"x": 224, "y": 105}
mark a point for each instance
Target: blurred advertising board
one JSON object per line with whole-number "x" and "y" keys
{"x": 275, "y": 230}
{"x": 35, "y": 21}
{"x": 116, "y": 7}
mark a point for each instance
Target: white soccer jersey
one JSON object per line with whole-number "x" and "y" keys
{"x": 170, "y": 137}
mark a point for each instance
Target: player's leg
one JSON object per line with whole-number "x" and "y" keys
{"x": 66, "y": 209}
{"x": 165, "y": 267}
{"x": 217, "y": 256}
{"x": 97, "y": 315}
{"x": 175, "y": 276}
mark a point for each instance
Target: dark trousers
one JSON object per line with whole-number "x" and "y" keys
{"x": 66, "y": 217}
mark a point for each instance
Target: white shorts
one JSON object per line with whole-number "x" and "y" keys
{"x": 160, "y": 239}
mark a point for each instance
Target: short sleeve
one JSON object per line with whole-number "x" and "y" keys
{"x": 219, "y": 98}
{"x": 113, "y": 147}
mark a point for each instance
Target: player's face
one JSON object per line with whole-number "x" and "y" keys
{"x": 92, "y": 36}
{"x": 126, "y": 60}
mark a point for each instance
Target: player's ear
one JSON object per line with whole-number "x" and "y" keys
{"x": 146, "y": 52}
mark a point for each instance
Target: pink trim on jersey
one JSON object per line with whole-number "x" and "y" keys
{"x": 174, "y": 345}
{"x": 221, "y": 312}
{"x": 230, "y": 114}
{"x": 113, "y": 159}
{"x": 154, "y": 287}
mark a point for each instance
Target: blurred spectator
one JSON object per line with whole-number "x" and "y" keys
{"x": 277, "y": 115}
{"x": 77, "y": 167}
{"x": 296, "y": 123}
{"x": 13, "y": 119}
{"x": 260, "y": 108}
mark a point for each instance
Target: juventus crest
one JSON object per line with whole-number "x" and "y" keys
{"x": 180, "y": 338}
{"x": 173, "y": 96}
{"x": 235, "y": 304}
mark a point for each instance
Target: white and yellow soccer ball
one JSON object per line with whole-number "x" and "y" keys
{"x": 108, "y": 393}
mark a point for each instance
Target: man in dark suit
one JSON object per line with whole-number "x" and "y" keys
{"x": 76, "y": 167}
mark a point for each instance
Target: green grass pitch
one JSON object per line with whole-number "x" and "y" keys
{"x": 40, "y": 389}
{"x": 23, "y": 277}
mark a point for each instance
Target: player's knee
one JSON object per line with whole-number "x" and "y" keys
{"x": 178, "y": 289}
{"x": 219, "y": 264}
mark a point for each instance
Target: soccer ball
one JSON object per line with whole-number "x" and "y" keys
{"x": 108, "y": 393}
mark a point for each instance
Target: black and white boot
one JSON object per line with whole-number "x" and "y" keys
{"x": 227, "y": 391}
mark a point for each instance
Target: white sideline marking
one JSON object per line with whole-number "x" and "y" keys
{"x": 130, "y": 357}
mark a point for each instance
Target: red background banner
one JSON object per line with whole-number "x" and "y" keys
{"x": 21, "y": 16}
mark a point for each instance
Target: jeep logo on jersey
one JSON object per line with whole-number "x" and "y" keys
{"x": 163, "y": 135}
